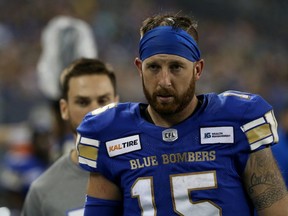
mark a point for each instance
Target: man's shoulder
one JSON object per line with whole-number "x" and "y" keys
{"x": 114, "y": 109}
{"x": 237, "y": 105}
{"x": 232, "y": 96}
{"x": 108, "y": 118}
{"x": 238, "y": 99}
{"x": 52, "y": 174}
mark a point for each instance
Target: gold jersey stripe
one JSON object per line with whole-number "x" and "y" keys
{"x": 88, "y": 152}
{"x": 258, "y": 133}
{"x": 252, "y": 124}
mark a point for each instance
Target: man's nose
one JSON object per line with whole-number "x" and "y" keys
{"x": 94, "y": 105}
{"x": 164, "y": 78}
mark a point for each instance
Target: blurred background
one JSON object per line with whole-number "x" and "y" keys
{"x": 244, "y": 44}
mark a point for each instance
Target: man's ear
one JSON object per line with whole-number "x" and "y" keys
{"x": 138, "y": 64}
{"x": 198, "y": 68}
{"x": 64, "y": 109}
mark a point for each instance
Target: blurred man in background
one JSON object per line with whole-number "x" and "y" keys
{"x": 86, "y": 84}
{"x": 64, "y": 39}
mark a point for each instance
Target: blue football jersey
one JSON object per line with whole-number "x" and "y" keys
{"x": 193, "y": 168}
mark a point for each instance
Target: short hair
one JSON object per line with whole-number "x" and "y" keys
{"x": 176, "y": 21}
{"x": 85, "y": 66}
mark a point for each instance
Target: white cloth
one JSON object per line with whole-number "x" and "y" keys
{"x": 64, "y": 39}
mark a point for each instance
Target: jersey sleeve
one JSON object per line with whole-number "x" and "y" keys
{"x": 87, "y": 149}
{"x": 89, "y": 135}
{"x": 261, "y": 131}
{"x": 259, "y": 123}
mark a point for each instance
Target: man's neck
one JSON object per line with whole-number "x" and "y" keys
{"x": 74, "y": 156}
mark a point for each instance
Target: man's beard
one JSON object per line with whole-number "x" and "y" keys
{"x": 179, "y": 103}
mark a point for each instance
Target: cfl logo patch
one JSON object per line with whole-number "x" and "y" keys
{"x": 170, "y": 135}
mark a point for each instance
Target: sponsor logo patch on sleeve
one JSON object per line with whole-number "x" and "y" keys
{"x": 215, "y": 135}
{"x": 123, "y": 145}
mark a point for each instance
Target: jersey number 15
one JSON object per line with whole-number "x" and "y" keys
{"x": 181, "y": 185}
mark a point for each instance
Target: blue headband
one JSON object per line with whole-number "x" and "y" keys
{"x": 168, "y": 40}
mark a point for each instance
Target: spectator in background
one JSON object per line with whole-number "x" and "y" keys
{"x": 86, "y": 85}
{"x": 64, "y": 39}
{"x": 20, "y": 165}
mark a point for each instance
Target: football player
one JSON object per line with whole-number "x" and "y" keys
{"x": 182, "y": 153}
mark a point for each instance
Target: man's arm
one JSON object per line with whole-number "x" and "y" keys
{"x": 101, "y": 187}
{"x": 103, "y": 197}
{"x": 265, "y": 185}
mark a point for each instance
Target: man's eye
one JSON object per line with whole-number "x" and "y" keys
{"x": 104, "y": 101}
{"x": 175, "y": 67}
{"x": 82, "y": 102}
{"x": 153, "y": 67}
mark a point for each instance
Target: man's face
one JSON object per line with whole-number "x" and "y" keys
{"x": 86, "y": 93}
{"x": 168, "y": 82}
